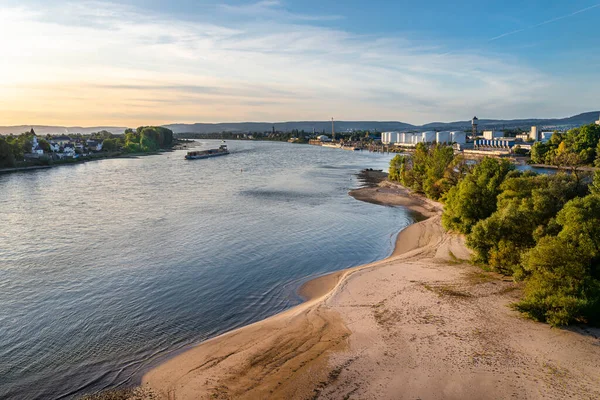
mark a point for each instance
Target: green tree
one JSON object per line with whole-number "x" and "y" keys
{"x": 43, "y": 143}
{"x": 474, "y": 198}
{"x": 564, "y": 286}
{"x": 7, "y": 158}
{"x": 595, "y": 185}
{"x": 538, "y": 152}
{"x": 110, "y": 144}
{"x": 396, "y": 168}
{"x": 526, "y": 207}
{"x": 429, "y": 170}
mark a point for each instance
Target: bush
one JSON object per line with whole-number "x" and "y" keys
{"x": 474, "y": 198}
{"x": 564, "y": 285}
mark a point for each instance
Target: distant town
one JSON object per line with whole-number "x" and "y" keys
{"x": 29, "y": 150}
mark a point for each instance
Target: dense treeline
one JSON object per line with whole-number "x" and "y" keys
{"x": 578, "y": 146}
{"x": 13, "y": 148}
{"x": 147, "y": 138}
{"x": 540, "y": 229}
{"x": 429, "y": 170}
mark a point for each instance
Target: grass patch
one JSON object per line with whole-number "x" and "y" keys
{"x": 446, "y": 290}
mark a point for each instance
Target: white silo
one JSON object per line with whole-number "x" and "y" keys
{"x": 407, "y": 138}
{"x": 428, "y": 137}
{"x": 443, "y": 137}
{"x": 458, "y": 137}
{"x": 533, "y": 134}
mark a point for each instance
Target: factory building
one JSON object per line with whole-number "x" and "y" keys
{"x": 489, "y": 135}
{"x": 413, "y": 138}
{"x": 498, "y": 143}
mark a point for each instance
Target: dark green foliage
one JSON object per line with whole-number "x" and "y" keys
{"x": 147, "y": 138}
{"x": 7, "y": 158}
{"x": 525, "y": 207}
{"x": 474, "y": 198}
{"x": 111, "y": 144}
{"x": 595, "y": 185}
{"x": 396, "y": 168}
{"x": 564, "y": 285}
{"x": 579, "y": 145}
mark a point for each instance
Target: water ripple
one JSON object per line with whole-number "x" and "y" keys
{"x": 107, "y": 267}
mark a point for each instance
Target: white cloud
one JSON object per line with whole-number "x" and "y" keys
{"x": 97, "y": 62}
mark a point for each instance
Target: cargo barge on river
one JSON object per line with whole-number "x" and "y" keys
{"x": 196, "y": 155}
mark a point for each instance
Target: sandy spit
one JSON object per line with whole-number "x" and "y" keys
{"x": 421, "y": 324}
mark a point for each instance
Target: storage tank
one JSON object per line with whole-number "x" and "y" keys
{"x": 533, "y": 134}
{"x": 396, "y": 137}
{"x": 417, "y": 138}
{"x": 429, "y": 136}
{"x": 458, "y": 137}
{"x": 385, "y": 137}
{"x": 407, "y": 138}
{"x": 443, "y": 137}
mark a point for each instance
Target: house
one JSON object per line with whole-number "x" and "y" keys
{"x": 68, "y": 150}
{"x": 37, "y": 150}
{"x": 62, "y": 140}
{"x": 94, "y": 145}
{"x": 54, "y": 147}
{"x": 35, "y": 145}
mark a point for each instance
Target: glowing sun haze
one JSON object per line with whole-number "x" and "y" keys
{"x": 92, "y": 63}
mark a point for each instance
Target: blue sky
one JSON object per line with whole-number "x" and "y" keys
{"x": 133, "y": 62}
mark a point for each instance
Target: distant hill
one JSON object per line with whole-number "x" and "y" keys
{"x": 58, "y": 130}
{"x": 307, "y": 126}
{"x": 569, "y": 122}
{"x": 320, "y": 126}
{"x": 341, "y": 126}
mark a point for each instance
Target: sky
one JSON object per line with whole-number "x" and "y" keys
{"x": 135, "y": 62}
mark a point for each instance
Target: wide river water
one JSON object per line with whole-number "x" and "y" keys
{"x": 109, "y": 266}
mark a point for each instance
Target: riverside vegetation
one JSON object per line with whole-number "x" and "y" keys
{"x": 543, "y": 230}
{"x": 144, "y": 139}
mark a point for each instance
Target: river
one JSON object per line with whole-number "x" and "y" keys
{"x": 109, "y": 266}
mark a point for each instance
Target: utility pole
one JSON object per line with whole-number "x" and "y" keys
{"x": 332, "y": 131}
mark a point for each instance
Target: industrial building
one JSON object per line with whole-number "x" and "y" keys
{"x": 493, "y": 134}
{"x": 413, "y": 138}
{"x": 498, "y": 143}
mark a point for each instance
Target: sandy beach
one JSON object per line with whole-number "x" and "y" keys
{"x": 421, "y": 324}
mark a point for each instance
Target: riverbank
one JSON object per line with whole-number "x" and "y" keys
{"x": 422, "y": 323}
{"x": 82, "y": 160}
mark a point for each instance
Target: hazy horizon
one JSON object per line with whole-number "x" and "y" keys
{"x": 97, "y": 63}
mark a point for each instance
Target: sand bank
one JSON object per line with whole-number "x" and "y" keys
{"x": 420, "y": 324}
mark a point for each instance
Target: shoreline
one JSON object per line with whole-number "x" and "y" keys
{"x": 419, "y": 323}
{"x": 314, "y": 291}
